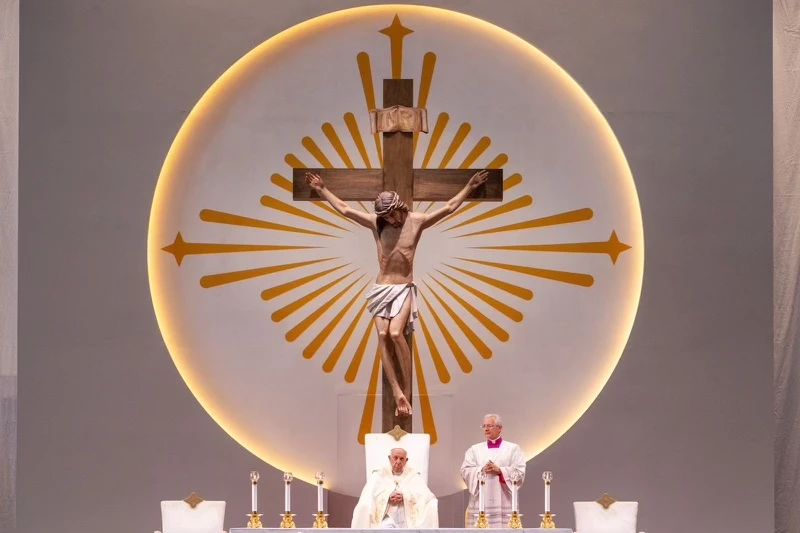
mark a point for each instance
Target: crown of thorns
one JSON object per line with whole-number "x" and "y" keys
{"x": 388, "y": 201}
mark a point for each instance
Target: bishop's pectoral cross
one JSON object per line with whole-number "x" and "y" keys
{"x": 412, "y": 184}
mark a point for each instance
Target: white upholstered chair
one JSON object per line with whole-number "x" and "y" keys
{"x": 192, "y": 515}
{"x": 606, "y": 515}
{"x": 417, "y": 446}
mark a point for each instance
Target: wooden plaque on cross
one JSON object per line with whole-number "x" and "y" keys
{"x": 398, "y": 174}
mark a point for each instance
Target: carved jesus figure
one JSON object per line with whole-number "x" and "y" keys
{"x": 392, "y": 299}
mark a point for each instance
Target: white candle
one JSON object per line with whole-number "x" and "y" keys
{"x": 480, "y": 497}
{"x": 514, "y": 500}
{"x": 254, "y": 491}
{"x": 547, "y": 497}
{"x": 319, "y": 497}
{"x": 287, "y": 495}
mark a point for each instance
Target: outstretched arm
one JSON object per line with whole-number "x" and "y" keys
{"x": 365, "y": 219}
{"x": 478, "y": 179}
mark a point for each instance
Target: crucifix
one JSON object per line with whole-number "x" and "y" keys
{"x": 398, "y": 174}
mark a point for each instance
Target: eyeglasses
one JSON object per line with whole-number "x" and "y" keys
{"x": 489, "y": 426}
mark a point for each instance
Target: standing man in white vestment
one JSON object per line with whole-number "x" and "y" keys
{"x": 498, "y": 459}
{"x": 396, "y": 497}
{"x": 392, "y": 299}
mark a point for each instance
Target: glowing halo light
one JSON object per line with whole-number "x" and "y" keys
{"x": 197, "y": 329}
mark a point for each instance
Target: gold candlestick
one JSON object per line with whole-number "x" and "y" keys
{"x": 547, "y": 517}
{"x": 255, "y": 518}
{"x": 287, "y": 522}
{"x": 320, "y": 522}
{"x": 514, "y": 522}
{"x": 255, "y": 521}
{"x": 481, "y": 522}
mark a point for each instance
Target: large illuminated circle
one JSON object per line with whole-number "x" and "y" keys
{"x": 272, "y": 341}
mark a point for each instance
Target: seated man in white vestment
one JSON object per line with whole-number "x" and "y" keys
{"x": 499, "y": 460}
{"x": 395, "y": 496}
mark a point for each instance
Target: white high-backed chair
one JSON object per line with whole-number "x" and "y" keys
{"x": 606, "y": 515}
{"x": 377, "y": 447}
{"x": 192, "y": 515}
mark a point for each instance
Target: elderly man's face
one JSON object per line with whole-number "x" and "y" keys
{"x": 395, "y": 218}
{"x": 490, "y": 428}
{"x": 398, "y": 460}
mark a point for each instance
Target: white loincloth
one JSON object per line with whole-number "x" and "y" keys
{"x": 387, "y": 300}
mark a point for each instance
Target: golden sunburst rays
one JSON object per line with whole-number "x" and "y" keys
{"x": 612, "y": 247}
{"x": 365, "y": 70}
{"x": 180, "y": 248}
{"x": 468, "y": 304}
{"x": 425, "y": 82}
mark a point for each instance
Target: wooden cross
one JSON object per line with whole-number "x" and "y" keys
{"x": 412, "y": 184}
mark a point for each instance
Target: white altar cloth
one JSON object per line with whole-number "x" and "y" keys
{"x": 348, "y": 530}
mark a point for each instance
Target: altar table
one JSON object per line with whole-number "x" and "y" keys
{"x": 348, "y": 530}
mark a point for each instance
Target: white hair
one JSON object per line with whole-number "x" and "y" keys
{"x": 401, "y": 449}
{"x": 498, "y": 420}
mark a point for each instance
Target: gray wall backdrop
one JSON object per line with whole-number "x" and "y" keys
{"x": 9, "y": 231}
{"x": 107, "y": 428}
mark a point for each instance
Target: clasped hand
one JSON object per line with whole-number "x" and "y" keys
{"x": 491, "y": 468}
{"x": 396, "y": 497}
